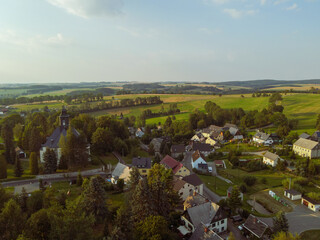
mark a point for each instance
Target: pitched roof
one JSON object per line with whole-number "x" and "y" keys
{"x": 255, "y": 226}
{"x": 293, "y": 192}
{"x": 54, "y": 139}
{"x": 233, "y": 130}
{"x": 203, "y": 213}
{"x": 219, "y": 162}
{"x": 316, "y": 134}
{"x": 306, "y": 143}
{"x": 230, "y": 125}
{"x": 304, "y": 135}
{"x": 215, "y": 134}
{"x": 310, "y": 200}
{"x": 271, "y": 156}
{"x": 141, "y": 162}
{"x": 194, "y": 200}
{"x": 202, "y": 147}
{"x": 193, "y": 179}
{"x": 179, "y": 148}
{"x": 262, "y": 135}
{"x": 178, "y": 184}
{"x": 156, "y": 143}
{"x": 121, "y": 170}
{"x": 196, "y": 155}
{"x": 203, "y": 233}
{"x": 171, "y": 163}
{"x": 215, "y": 128}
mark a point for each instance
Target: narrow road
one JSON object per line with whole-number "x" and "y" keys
{"x": 118, "y": 156}
{"x": 211, "y": 195}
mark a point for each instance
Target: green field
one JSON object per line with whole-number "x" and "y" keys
{"x": 59, "y": 92}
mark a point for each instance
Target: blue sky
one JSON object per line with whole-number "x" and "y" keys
{"x": 158, "y": 40}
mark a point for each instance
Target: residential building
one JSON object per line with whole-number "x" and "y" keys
{"x": 185, "y": 189}
{"x": 140, "y": 132}
{"x": 202, "y": 232}
{"x": 194, "y": 182}
{"x": 219, "y": 163}
{"x": 271, "y": 159}
{"x": 219, "y": 136}
{"x": 209, "y": 214}
{"x": 292, "y": 194}
{"x": 121, "y": 171}
{"x": 306, "y": 148}
{"x": 177, "y": 167}
{"x": 229, "y": 191}
{"x": 227, "y": 126}
{"x": 193, "y": 200}
{"x": 198, "y": 161}
{"x": 53, "y": 141}
{"x": 211, "y": 141}
{"x": 305, "y": 136}
{"x": 177, "y": 150}
{"x": 203, "y": 148}
{"x": 197, "y": 137}
{"x": 316, "y": 136}
{"x": 215, "y": 128}
{"x": 235, "y": 133}
{"x": 143, "y": 164}
{"x": 156, "y": 142}
{"x": 310, "y": 203}
{"x": 132, "y": 130}
{"x": 262, "y": 138}
{"x": 206, "y": 132}
{"x": 255, "y": 226}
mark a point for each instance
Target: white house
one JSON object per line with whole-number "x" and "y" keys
{"x": 188, "y": 186}
{"x": 292, "y": 194}
{"x": 271, "y": 159}
{"x": 306, "y": 148}
{"x": 121, "y": 172}
{"x": 139, "y": 132}
{"x": 262, "y": 138}
{"x": 310, "y": 203}
{"x": 235, "y": 133}
{"x": 198, "y": 161}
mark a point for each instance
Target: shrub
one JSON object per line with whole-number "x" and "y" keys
{"x": 250, "y": 180}
{"x": 243, "y": 188}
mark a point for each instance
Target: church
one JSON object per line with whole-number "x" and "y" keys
{"x": 53, "y": 141}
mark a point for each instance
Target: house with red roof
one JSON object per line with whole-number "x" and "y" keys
{"x": 177, "y": 167}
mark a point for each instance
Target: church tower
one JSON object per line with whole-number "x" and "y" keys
{"x": 64, "y": 118}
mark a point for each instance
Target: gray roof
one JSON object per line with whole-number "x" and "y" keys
{"x": 202, "y": 147}
{"x": 306, "y": 143}
{"x": 233, "y": 130}
{"x": 193, "y": 179}
{"x": 141, "y": 162}
{"x": 304, "y": 135}
{"x": 54, "y": 139}
{"x": 203, "y": 213}
{"x": 179, "y": 148}
{"x": 156, "y": 143}
{"x": 119, "y": 170}
{"x": 255, "y": 226}
{"x": 293, "y": 192}
{"x": 262, "y": 135}
{"x": 271, "y": 156}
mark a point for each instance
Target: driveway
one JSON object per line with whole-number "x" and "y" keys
{"x": 187, "y": 161}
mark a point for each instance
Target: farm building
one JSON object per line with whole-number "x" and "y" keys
{"x": 292, "y": 194}
{"x": 310, "y": 203}
{"x": 271, "y": 159}
{"x": 306, "y": 148}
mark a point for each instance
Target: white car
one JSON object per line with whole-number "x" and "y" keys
{"x": 210, "y": 169}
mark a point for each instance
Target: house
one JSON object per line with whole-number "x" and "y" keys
{"x": 140, "y": 132}
{"x": 194, "y": 182}
{"x": 271, "y": 159}
{"x": 316, "y": 136}
{"x": 204, "y": 233}
{"x": 20, "y": 153}
{"x": 211, "y": 141}
{"x": 219, "y": 163}
{"x": 177, "y": 167}
{"x": 197, "y": 137}
{"x": 53, "y": 142}
{"x": 310, "y": 203}
{"x": 229, "y": 191}
{"x": 210, "y": 214}
{"x": 255, "y": 226}
{"x": 206, "y": 132}
{"x": 198, "y": 161}
{"x": 219, "y": 136}
{"x": 305, "y": 136}
{"x": 193, "y": 200}
{"x": 177, "y": 150}
{"x": 292, "y": 194}
{"x": 215, "y": 128}
{"x": 143, "y": 164}
{"x": 306, "y": 148}
{"x": 156, "y": 142}
{"x": 121, "y": 171}
{"x": 235, "y": 133}
{"x": 262, "y": 138}
{"x": 203, "y": 148}
{"x": 185, "y": 189}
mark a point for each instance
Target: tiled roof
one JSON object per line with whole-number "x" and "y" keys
{"x": 202, "y": 147}
{"x": 203, "y": 233}
{"x": 196, "y": 155}
{"x": 170, "y": 162}
{"x": 255, "y": 226}
{"x": 262, "y": 136}
{"x": 306, "y": 143}
{"x": 293, "y": 192}
{"x": 141, "y": 162}
{"x": 304, "y": 135}
{"x": 178, "y": 184}
{"x": 54, "y": 139}
{"x": 193, "y": 179}
{"x": 179, "y": 148}
{"x": 271, "y": 156}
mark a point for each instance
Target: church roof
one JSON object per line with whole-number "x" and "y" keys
{"x": 54, "y": 139}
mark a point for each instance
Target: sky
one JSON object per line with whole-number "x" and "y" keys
{"x": 43, "y": 41}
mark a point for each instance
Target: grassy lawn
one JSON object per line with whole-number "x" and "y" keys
{"x": 243, "y": 147}
{"x": 107, "y": 159}
{"x": 215, "y": 184}
{"x": 310, "y": 235}
{"x": 11, "y": 176}
{"x": 115, "y": 200}
{"x": 65, "y": 186}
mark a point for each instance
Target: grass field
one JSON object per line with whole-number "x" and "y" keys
{"x": 59, "y": 92}
{"x": 310, "y": 235}
{"x": 215, "y": 184}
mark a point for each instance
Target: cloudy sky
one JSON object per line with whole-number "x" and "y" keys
{"x": 158, "y": 40}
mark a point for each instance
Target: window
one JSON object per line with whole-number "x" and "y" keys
{"x": 213, "y": 224}
{"x": 222, "y": 229}
{"x": 144, "y": 171}
{"x": 222, "y": 222}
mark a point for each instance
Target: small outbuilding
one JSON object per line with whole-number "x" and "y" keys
{"x": 311, "y": 203}
{"x": 292, "y": 194}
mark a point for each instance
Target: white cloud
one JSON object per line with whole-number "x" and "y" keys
{"x": 236, "y": 14}
{"x": 13, "y": 38}
{"x": 89, "y": 8}
{"x": 292, "y": 7}
{"x": 263, "y": 2}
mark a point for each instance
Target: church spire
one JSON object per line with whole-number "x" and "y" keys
{"x": 64, "y": 118}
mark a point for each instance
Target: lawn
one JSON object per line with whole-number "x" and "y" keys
{"x": 243, "y": 147}
{"x": 115, "y": 200}
{"x": 310, "y": 235}
{"x": 107, "y": 159}
{"x": 74, "y": 190}
{"x": 215, "y": 184}
{"x": 11, "y": 176}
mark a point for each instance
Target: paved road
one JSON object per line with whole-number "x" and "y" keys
{"x": 236, "y": 232}
{"x": 187, "y": 161}
{"x": 118, "y": 156}
{"x": 211, "y": 195}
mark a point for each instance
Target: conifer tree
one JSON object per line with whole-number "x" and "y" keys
{"x": 3, "y": 168}
{"x": 18, "y": 170}
{"x": 50, "y": 161}
{"x": 33, "y": 162}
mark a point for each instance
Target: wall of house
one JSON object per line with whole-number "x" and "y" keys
{"x": 311, "y": 206}
{"x": 269, "y": 162}
{"x": 143, "y": 171}
{"x": 183, "y": 172}
{"x": 199, "y": 160}
{"x": 220, "y": 226}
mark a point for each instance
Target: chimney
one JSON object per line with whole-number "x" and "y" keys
{"x": 254, "y": 220}
{"x": 206, "y": 230}
{"x": 194, "y": 193}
